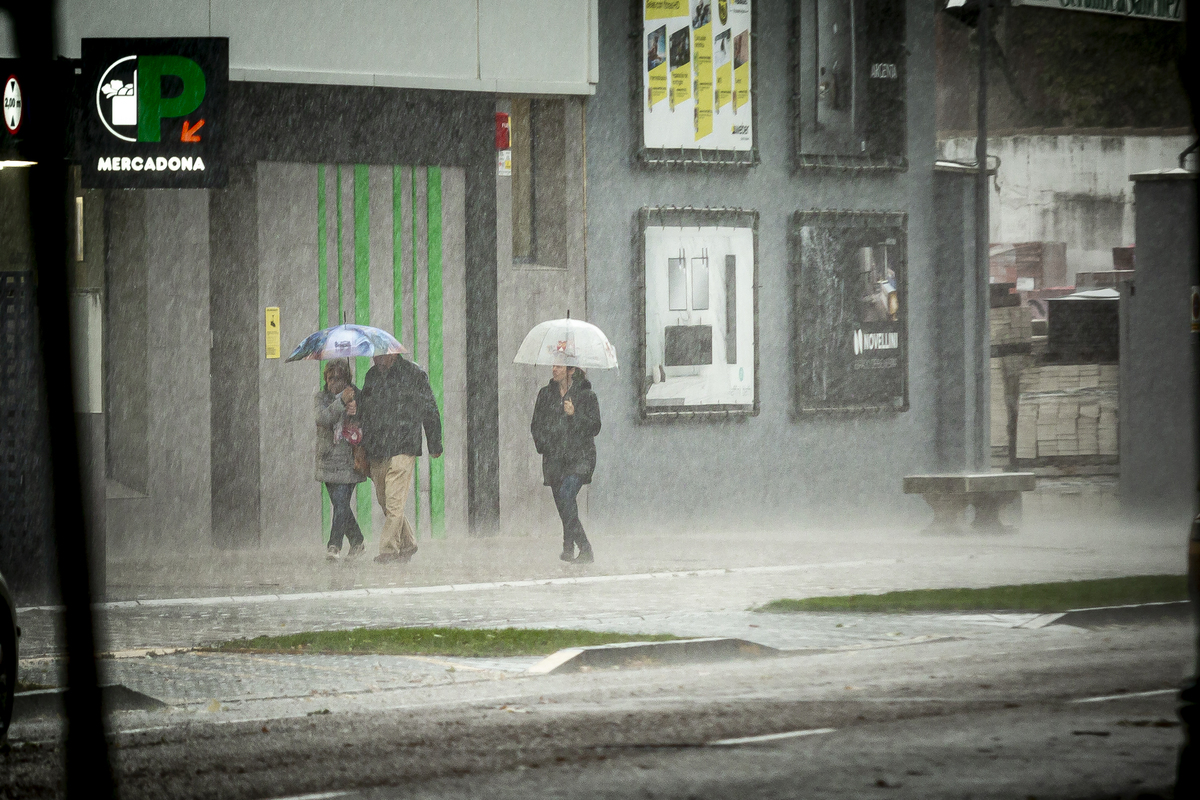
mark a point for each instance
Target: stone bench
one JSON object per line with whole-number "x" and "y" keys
{"x": 949, "y": 496}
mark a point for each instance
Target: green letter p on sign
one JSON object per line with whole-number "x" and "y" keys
{"x": 152, "y": 107}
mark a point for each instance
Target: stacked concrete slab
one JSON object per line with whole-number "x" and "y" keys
{"x": 1068, "y": 413}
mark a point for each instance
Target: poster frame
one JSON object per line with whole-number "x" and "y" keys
{"x": 821, "y": 161}
{"x": 843, "y": 219}
{"x": 688, "y": 217}
{"x": 687, "y": 157}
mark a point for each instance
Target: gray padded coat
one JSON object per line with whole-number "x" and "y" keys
{"x": 335, "y": 457}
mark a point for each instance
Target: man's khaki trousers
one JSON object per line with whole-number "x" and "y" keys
{"x": 392, "y": 477}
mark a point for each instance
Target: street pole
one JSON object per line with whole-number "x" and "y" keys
{"x": 982, "y": 455}
{"x": 88, "y": 770}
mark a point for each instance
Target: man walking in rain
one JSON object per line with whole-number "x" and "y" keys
{"x": 397, "y": 402}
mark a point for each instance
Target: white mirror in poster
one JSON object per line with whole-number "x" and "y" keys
{"x": 700, "y": 347}
{"x": 697, "y": 101}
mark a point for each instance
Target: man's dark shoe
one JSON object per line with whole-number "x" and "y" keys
{"x": 404, "y": 556}
{"x": 568, "y": 554}
{"x": 356, "y": 550}
{"x": 585, "y": 555}
{"x": 387, "y": 558}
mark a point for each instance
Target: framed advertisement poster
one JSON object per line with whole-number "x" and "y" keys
{"x": 698, "y": 320}
{"x": 849, "y": 77}
{"x": 696, "y": 65}
{"x": 850, "y": 311}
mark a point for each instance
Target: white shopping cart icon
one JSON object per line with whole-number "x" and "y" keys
{"x": 124, "y": 100}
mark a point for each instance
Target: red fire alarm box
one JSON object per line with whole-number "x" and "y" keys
{"x": 502, "y": 131}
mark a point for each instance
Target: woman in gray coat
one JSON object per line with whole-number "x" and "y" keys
{"x": 337, "y": 433}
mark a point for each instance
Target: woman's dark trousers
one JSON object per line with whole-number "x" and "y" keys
{"x": 568, "y": 511}
{"x": 344, "y": 523}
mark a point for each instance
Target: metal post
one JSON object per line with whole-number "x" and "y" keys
{"x": 982, "y": 451}
{"x": 88, "y": 771}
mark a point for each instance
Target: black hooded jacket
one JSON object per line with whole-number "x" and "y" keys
{"x": 394, "y": 406}
{"x": 566, "y": 442}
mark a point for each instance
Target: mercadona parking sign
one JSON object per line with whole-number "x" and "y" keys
{"x": 154, "y": 113}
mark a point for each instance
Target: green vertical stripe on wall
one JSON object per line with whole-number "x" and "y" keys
{"x": 338, "y": 201}
{"x": 323, "y": 316}
{"x": 397, "y": 255}
{"x": 362, "y": 305}
{"x": 416, "y": 345}
{"x": 437, "y": 466}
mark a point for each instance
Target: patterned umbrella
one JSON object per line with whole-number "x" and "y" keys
{"x": 567, "y": 342}
{"x": 346, "y": 341}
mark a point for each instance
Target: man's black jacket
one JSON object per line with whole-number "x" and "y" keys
{"x": 394, "y": 405}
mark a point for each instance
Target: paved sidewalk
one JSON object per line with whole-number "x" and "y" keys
{"x": 1056, "y": 549}
{"x": 699, "y": 585}
{"x": 162, "y": 609}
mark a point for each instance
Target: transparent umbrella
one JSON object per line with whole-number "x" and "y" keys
{"x": 346, "y": 341}
{"x": 569, "y": 343}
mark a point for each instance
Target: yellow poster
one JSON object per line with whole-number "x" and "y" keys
{"x": 724, "y": 85}
{"x": 703, "y": 56}
{"x": 741, "y": 70}
{"x": 679, "y": 57}
{"x": 656, "y": 84}
{"x": 272, "y": 332}
{"x": 723, "y": 66}
{"x": 662, "y": 9}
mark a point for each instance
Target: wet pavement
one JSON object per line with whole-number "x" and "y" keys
{"x": 694, "y": 586}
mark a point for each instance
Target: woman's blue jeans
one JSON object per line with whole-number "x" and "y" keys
{"x": 568, "y": 511}
{"x": 344, "y": 523}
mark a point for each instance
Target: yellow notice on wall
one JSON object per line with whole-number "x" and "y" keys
{"x": 662, "y": 9}
{"x": 741, "y": 86}
{"x": 703, "y": 56}
{"x": 724, "y": 84}
{"x": 656, "y": 84}
{"x": 273, "y": 332}
{"x": 681, "y": 82}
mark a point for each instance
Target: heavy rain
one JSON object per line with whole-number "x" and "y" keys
{"x": 573, "y": 398}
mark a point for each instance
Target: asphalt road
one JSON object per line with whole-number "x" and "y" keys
{"x": 991, "y": 713}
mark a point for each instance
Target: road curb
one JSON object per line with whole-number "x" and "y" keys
{"x": 631, "y": 654}
{"x": 49, "y": 702}
{"x": 1175, "y": 610}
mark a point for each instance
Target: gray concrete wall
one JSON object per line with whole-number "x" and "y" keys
{"x": 529, "y": 294}
{"x": 1070, "y": 188}
{"x": 233, "y": 310}
{"x": 1158, "y": 437}
{"x": 769, "y": 469}
{"x": 158, "y": 369}
{"x": 287, "y": 270}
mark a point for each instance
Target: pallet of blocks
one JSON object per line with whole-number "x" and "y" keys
{"x": 1067, "y": 413}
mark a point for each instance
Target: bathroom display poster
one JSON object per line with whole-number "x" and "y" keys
{"x": 851, "y": 336}
{"x": 700, "y": 306}
{"x": 696, "y": 63}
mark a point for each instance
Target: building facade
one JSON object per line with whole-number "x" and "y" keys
{"x": 743, "y": 194}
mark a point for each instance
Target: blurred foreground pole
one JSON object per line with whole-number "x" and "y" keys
{"x": 982, "y": 450}
{"x": 1187, "y": 770}
{"x": 89, "y": 773}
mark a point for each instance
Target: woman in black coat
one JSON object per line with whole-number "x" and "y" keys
{"x": 566, "y": 419}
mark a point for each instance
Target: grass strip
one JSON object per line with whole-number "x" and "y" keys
{"x": 1040, "y": 597}
{"x": 469, "y": 642}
